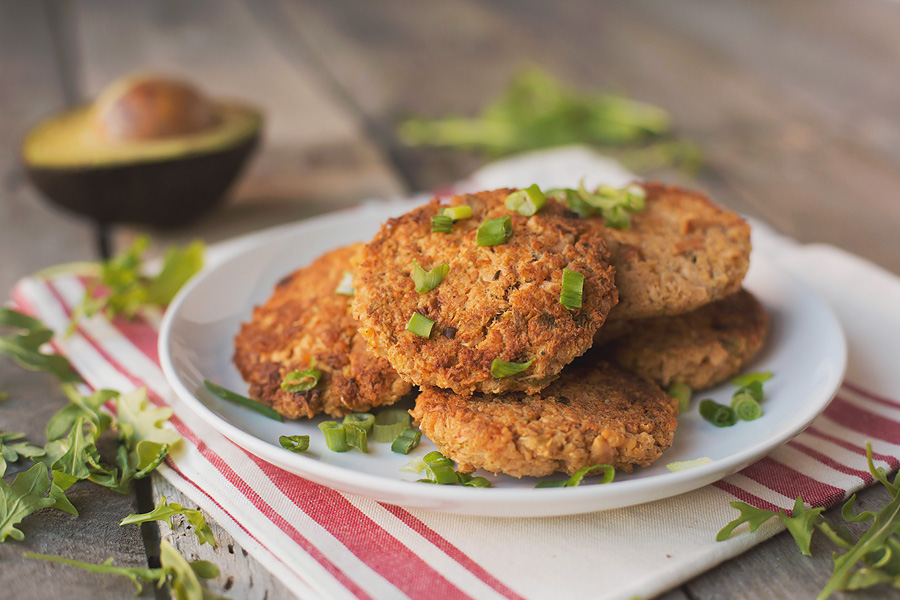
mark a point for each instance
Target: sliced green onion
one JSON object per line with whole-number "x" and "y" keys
{"x": 389, "y": 424}
{"x": 302, "y": 381}
{"x": 345, "y": 287}
{"x": 230, "y": 396}
{"x": 294, "y": 443}
{"x": 494, "y": 232}
{"x": 458, "y": 213}
{"x": 572, "y": 289}
{"x": 406, "y": 441}
{"x": 441, "y": 224}
{"x": 717, "y": 414}
{"x": 440, "y": 469}
{"x": 636, "y": 197}
{"x": 575, "y": 480}
{"x": 502, "y": 368}
{"x": 746, "y": 407}
{"x": 420, "y": 325}
{"x": 416, "y": 465}
{"x": 427, "y": 281}
{"x": 335, "y": 436}
{"x": 573, "y": 200}
{"x": 754, "y": 389}
{"x": 528, "y": 201}
{"x": 467, "y": 480}
{"x": 364, "y": 420}
{"x": 681, "y": 392}
{"x": 356, "y": 437}
{"x": 617, "y": 217}
{"x": 744, "y": 380}
{"x": 683, "y": 465}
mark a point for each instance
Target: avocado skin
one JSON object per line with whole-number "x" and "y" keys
{"x": 165, "y": 193}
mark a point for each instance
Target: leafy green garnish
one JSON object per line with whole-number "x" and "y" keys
{"x": 87, "y": 407}
{"x": 24, "y": 347}
{"x": 614, "y": 205}
{"x": 22, "y": 497}
{"x": 181, "y": 575}
{"x": 166, "y": 511}
{"x": 123, "y": 289}
{"x": 11, "y": 449}
{"x": 535, "y": 111}
{"x": 872, "y": 559}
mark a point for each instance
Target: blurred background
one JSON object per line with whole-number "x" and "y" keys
{"x": 782, "y": 109}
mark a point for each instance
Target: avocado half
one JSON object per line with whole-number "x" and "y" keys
{"x": 149, "y": 150}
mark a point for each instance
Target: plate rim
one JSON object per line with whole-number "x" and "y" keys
{"x": 565, "y": 501}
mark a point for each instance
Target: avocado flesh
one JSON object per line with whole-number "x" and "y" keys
{"x": 69, "y": 141}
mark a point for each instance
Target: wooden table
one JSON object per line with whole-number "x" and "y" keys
{"x": 795, "y": 104}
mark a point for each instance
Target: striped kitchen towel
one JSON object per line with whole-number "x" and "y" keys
{"x": 326, "y": 544}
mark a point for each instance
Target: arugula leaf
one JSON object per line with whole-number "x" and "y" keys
{"x": 138, "y": 420}
{"x": 135, "y": 574}
{"x": 62, "y": 482}
{"x": 535, "y": 111}
{"x": 183, "y": 577}
{"x": 749, "y": 514}
{"x": 79, "y": 406}
{"x": 74, "y": 459}
{"x": 11, "y": 450}
{"x": 801, "y": 524}
{"x": 124, "y": 289}
{"x": 165, "y": 511}
{"x": 24, "y": 348}
{"x": 22, "y": 497}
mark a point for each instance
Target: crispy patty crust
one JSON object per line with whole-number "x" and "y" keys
{"x": 680, "y": 252}
{"x": 305, "y": 320}
{"x": 593, "y": 414}
{"x": 496, "y": 302}
{"x": 701, "y": 348}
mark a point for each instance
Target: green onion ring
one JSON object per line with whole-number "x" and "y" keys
{"x": 746, "y": 407}
{"x": 572, "y": 289}
{"x": 345, "y": 286}
{"x": 754, "y": 389}
{"x": 527, "y": 201}
{"x": 302, "y": 381}
{"x": 681, "y": 392}
{"x": 609, "y": 474}
{"x": 294, "y": 443}
{"x": 335, "y": 436}
{"x": 494, "y": 232}
{"x": 717, "y": 414}
{"x": 389, "y": 424}
{"x": 230, "y": 396}
{"x": 749, "y": 378}
{"x": 420, "y": 325}
{"x": 458, "y": 213}
{"x": 406, "y": 441}
{"x": 502, "y": 368}
{"x": 441, "y": 224}
{"x": 364, "y": 420}
{"x": 356, "y": 437}
{"x": 427, "y": 281}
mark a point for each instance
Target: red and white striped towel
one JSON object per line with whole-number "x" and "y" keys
{"x": 325, "y": 544}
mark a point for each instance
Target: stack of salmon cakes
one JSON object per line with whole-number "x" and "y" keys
{"x": 538, "y": 333}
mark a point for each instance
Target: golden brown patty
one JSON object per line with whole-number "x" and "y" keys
{"x": 497, "y": 302}
{"x": 304, "y": 320}
{"x": 701, "y": 348}
{"x": 599, "y": 414}
{"x": 681, "y": 252}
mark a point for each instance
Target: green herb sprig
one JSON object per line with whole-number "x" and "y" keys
{"x": 166, "y": 511}
{"x": 865, "y": 562}
{"x": 24, "y": 346}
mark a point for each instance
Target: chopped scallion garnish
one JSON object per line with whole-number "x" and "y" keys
{"x": 406, "y": 441}
{"x": 717, "y": 414}
{"x": 345, "y": 287}
{"x": 302, "y": 381}
{"x": 230, "y": 396}
{"x": 439, "y": 469}
{"x": 494, "y": 232}
{"x": 572, "y": 289}
{"x": 744, "y": 380}
{"x": 458, "y": 213}
{"x": 683, "y": 465}
{"x": 420, "y": 325}
{"x": 335, "y": 436}
{"x": 575, "y": 480}
{"x": 502, "y": 368}
{"x": 389, "y": 424}
{"x": 468, "y": 481}
{"x": 746, "y": 407}
{"x": 427, "y": 281}
{"x": 416, "y": 465}
{"x": 441, "y": 224}
{"x": 356, "y": 437}
{"x": 527, "y": 201}
{"x": 294, "y": 443}
{"x": 681, "y": 392}
{"x": 364, "y": 420}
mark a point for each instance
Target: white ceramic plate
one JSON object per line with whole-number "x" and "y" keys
{"x": 806, "y": 350}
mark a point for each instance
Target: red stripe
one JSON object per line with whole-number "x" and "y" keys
{"x": 846, "y": 414}
{"x": 366, "y": 539}
{"x": 830, "y": 462}
{"x": 216, "y": 461}
{"x": 450, "y": 550}
{"x": 871, "y": 395}
{"x": 887, "y": 458}
{"x": 745, "y": 496}
{"x": 792, "y": 483}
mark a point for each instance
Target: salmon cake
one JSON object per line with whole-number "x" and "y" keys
{"x": 680, "y": 252}
{"x": 496, "y": 302}
{"x": 307, "y": 324}
{"x": 593, "y": 414}
{"x": 701, "y": 348}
